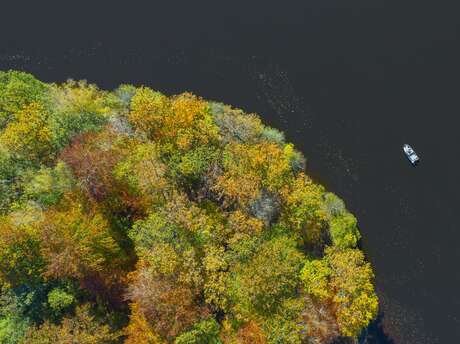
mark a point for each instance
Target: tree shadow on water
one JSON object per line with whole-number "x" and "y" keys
{"x": 373, "y": 334}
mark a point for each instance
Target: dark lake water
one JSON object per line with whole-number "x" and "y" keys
{"x": 348, "y": 82}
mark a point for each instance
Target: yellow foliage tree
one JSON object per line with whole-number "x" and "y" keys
{"x": 191, "y": 122}
{"x": 251, "y": 167}
{"x": 315, "y": 277}
{"x": 304, "y": 208}
{"x": 180, "y": 121}
{"x": 344, "y": 278}
{"x": 138, "y": 330}
{"x": 148, "y": 108}
{"x": 28, "y": 135}
{"x": 240, "y": 223}
{"x": 215, "y": 267}
{"x": 354, "y": 295}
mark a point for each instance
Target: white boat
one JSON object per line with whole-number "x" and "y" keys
{"x": 411, "y": 155}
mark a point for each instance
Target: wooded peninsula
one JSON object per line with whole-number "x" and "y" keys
{"x": 134, "y": 217}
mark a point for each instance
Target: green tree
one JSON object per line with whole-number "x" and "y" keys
{"x": 13, "y": 321}
{"x": 21, "y": 261}
{"x": 77, "y": 107}
{"x": 125, "y": 93}
{"x": 17, "y": 91}
{"x": 273, "y": 135}
{"x": 190, "y": 167}
{"x": 344, "y": 231}
{"x": 59, "y": 299}
{"x": 285, "y": 326}
{"x": 9, "y": 172}
{"x": 334, "y": 205}
{"x": 48, "y": 185}
{"x": 12, "y": 329}
{"x": 144, "y": 172}
{"x": 164, "y": 241}
{"x": 204, "y": 332}
{"x": 260, "y": 285}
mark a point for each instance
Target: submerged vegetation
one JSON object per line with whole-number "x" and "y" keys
{"x": 130, "y": 216}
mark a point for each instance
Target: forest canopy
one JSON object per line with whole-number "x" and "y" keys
{"x": 131, "y": 217}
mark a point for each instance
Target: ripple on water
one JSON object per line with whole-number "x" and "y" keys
{"x": 404, "y": 324}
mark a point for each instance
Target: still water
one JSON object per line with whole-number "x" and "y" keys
{"x": 348, "y": 82}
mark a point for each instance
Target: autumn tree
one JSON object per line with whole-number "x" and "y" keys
{"x": 304, "y": 208}
{"x": 168, "y": 281}
{"x": 139, "y": 331}
{"x": 250, "y": 333}
{"x": 236, "y": 126}
{"x": 258, "y": 287}
{"x": 27, "y": 135}
{"x": 250, "y": 168}
{"x": 216, "y": 272}
{"x": 354, "y": 296}
{"x": 21, "y": 261}
{"x": 179, "y": 122}
{"x": 318, "y": 321}
{"x": 144, "y": 173}
{"x": 83, "y": 328}
{"x": 148, "y": 110}
{"x": 92, "y": 157}
{"x": 170, "y": 307}
{"x": 19, "y": 90}
{"x": 78, "y": 107}
{"x": 48, "y": 185}
{"x": 76, "y": 243}
{"x": 345, "y": 278}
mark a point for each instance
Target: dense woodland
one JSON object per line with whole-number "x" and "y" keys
{"x": 134, "y": 217}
